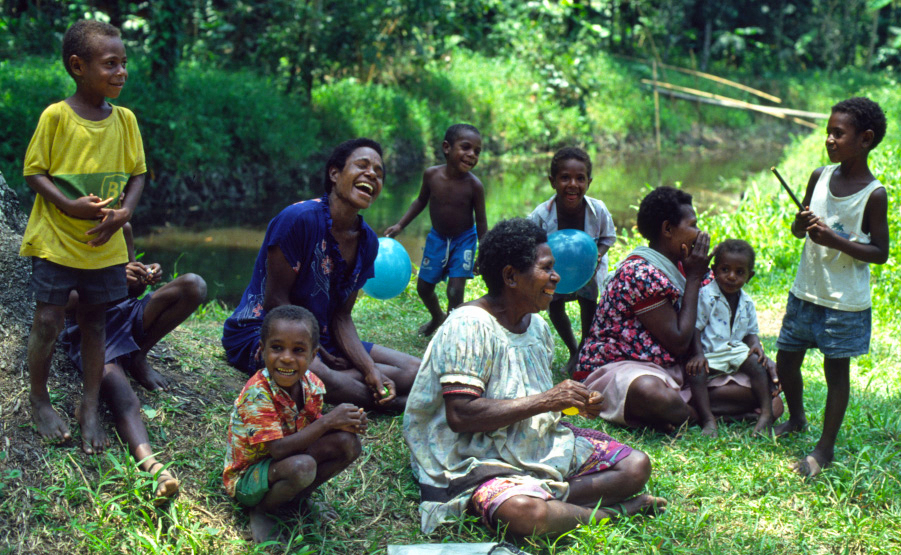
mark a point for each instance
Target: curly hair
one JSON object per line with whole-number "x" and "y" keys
{"x": 663, "y": 204}
{"x": 735, "y": 246}
{"x": 77, "y": 40}
{"x": 292, "y": 313}
{"x": 341, "y": 153}
{"x": 454, "y": 131}
{"x": 569, "y": 153}
{"x": 866, "y": 114}
{"x": 511, "y": 242}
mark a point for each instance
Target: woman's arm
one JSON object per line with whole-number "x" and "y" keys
{"x": 280, "y": 278}
{"x": 469, "y": 414}
{"x": 674, "y": 330}
{"x": 345, "y": 333}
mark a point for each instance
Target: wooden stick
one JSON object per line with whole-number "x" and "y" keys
{"x": 786, "y": 187}
{"x": 730, "y": 104}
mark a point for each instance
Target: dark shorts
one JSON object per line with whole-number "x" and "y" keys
{"x": 124, "y": 332}
{"x": 836, "y": 333}
{"x": 53, "y": 282}
{"x": 444, "y": 257}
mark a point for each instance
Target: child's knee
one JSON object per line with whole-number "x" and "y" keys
{"x": 193, "y": 288}
{"x": 299, "y": 471}
{"x": 349, "y": 446}
{"x": 48, "y": 322}
{"x": 753, "y": 369}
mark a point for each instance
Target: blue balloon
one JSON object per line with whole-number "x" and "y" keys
{"x": 392, "y": 270}
{"x": 575, "y": 258}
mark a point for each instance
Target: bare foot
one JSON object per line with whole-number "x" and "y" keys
{"x": 93, "y": 438}
{"x": 149, "y": 378}
{"x": 790, "y": 427}
{"x": 764, "y": 426}
{"x": 429, "y": 327}
{"x": 320, "y": 510}
{"x": 166, "y": 484}
{"x": 48, "y": 421}
{"x": 810, "y": 466}
{"x": 262, "y": 525}
{"x": 640, "y": 504}
{"x": 708, "y": 429}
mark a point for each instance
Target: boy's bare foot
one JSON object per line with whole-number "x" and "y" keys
{"x": 149, "y": 378}
{"x": 93, "y": 438}
{"x": 790, "y": 427}
{"x": 640, "y": 504}
{"x": 764, "y": 426}
{"x": 262, "y": 526}
{"x": 810, "y": 466}
{"x": 319, "y": 510}
{"x": 48, "y": 421}
{"x": 429, "y": 327}
{"x": 166, "y": 484}
{"x": 708, "y": 429}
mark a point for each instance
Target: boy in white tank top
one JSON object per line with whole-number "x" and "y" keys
{"x": 846, "y": 229}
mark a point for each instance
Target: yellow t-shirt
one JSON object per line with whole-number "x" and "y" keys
{"x": 81, "y": 157}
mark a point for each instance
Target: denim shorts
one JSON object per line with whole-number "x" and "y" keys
{"x": 53, "y": 282}
{"x": 836, "y": 333}
{"x": 445, "y": 257}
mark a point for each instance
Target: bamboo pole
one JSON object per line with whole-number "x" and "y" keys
{"x": 727, "y": 104}
{"x": 656, "y": 109}
{"x": 742, "y": 103}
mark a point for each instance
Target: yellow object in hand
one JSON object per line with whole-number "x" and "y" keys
{"x": 571, "y": 411}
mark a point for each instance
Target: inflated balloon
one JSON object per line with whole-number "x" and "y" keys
{"x": 392, "y": 270}
{"x": 576, "y": 258}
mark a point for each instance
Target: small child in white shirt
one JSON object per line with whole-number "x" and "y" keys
{"x": 726, "y": 345}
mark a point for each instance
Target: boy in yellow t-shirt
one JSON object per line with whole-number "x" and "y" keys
{"x": 83, "y": 151}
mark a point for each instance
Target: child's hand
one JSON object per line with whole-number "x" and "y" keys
{"x": 137, "y": 273}
{"x": 393, "y": 230}
{"x": 758, "y": 351}
{"x": 347, "y": 417}
{"x": 154, "y": 273}
{"x": 697, "y": 366}
{"x": 822, "y": 234}
{"x": 113, "y": 220}
{"x": 89, "y": 207}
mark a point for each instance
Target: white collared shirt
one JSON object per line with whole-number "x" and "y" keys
{"x": 598, "y": 224}
{"x": 714, "y": 315}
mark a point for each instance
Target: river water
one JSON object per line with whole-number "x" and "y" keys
{"x": 224, "y": 256}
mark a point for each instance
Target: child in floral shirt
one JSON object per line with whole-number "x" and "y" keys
{"x": 280, "y": 445}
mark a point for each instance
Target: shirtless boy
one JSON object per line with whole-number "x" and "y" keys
{"x": 458, "y": 217}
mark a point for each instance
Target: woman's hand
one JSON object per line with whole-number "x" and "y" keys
{"x": 383, "y": 389}
{"x": 569, "y": 393}
{"x": 695, "y": 260}
{"x": 334, "y": 362}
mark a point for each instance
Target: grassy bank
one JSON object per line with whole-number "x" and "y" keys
{"x": 730, "y": 495}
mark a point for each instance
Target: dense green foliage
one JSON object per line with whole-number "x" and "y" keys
{"x": 239, "y": 101}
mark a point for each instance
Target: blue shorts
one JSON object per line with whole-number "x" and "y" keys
{"x": 445, "y": 257}
{"x": 52, "y": 283}
{"x": 836, "y": 333}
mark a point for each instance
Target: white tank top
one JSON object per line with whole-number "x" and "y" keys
{"x": 829, "y": 277}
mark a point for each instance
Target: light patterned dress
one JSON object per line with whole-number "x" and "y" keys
{"x": 473, "y": 349}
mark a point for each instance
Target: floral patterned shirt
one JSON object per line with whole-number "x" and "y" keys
{"x": 266, "y": 412}
{"x": 616, "y": 332}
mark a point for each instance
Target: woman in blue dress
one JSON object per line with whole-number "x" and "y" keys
{"x": 318, "y": 254}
